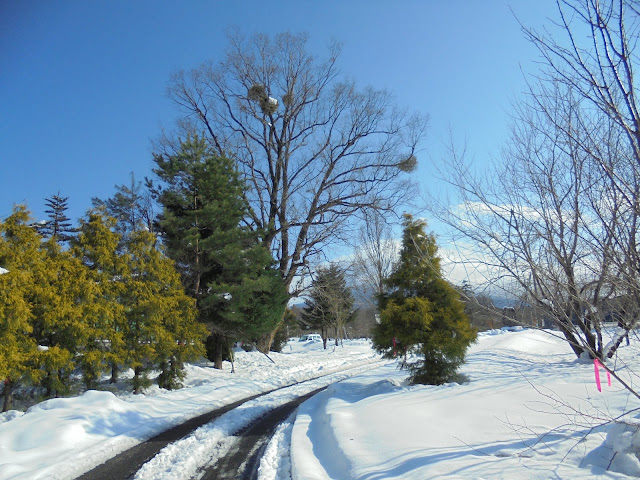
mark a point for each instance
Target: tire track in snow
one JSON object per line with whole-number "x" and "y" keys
{"x": 244, "y": 457}
{"x": 125, "y": 465}
{"x": 275, "y": 463}
{"x": 192, "y": 456}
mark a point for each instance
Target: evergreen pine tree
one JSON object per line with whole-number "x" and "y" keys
{"x": 422, "y": 311}
{"x": 203, "y": 206}
{"x": 181, "y": 337}
{"x": 223, "y": 264}
{"x": 247, "y": 299}
{"x": 49, "y": 289}
{"x": 330, "y": 303}
{"x": 58, "y": 226}
{"x": 63, "y": 295}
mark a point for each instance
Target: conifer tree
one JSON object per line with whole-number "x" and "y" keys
{"x": 63, "y": 294}
{"x": 248, "y": 298}
{"x": 330, "y": 303}
{"x": 160, "y": 318}
{"x": 422, "y": 311}
{"x": 96, "y": 247}
{"x": 58, "y": 226}
{"x": 45, "y": 300}
{"x": 131, "y": 206}
{"x": 223, "y": 264}
{"x": 21, "y": 258}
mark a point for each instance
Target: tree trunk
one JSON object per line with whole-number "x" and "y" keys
{"x": 48, "y": 384}
{"x": 617, "y": 343}
{"x": 136, "y": 380}
{"x": 217, "y": 347}
{"x": 264, "y": 343}
{"x": 8, "y": 395}
{"x": 217, "y": 362}
{"x": 62, "y": 383}
{"x": 571, "y": 339}
{"x": 325, "y": 336}
{"x": 90, "y": 378}
{"x": 115, "y": 371}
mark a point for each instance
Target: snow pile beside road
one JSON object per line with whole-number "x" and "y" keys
{"x": 507, "y": 422}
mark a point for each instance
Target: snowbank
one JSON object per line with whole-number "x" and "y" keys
{"x": 507, "y": 422}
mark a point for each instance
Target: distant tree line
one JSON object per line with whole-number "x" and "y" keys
{"x": 110, "y": 294}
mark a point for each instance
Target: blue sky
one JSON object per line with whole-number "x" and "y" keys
{"x": 82, "y": 84}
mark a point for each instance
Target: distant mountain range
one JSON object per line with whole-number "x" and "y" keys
{"x": 499, "y": 301}
{"x": 502, "y": 302}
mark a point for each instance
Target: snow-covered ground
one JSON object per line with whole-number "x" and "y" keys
{"x": 506, "y": 422}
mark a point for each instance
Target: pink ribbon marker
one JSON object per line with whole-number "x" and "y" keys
{"x": 596, "y": 367}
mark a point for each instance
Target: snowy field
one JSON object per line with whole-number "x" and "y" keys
{"x": 508, "y": 421}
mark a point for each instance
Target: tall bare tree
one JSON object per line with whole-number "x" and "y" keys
{"x": 557, "y": 219}
{"x": 594, "y": 55}
{"x": 538, "y": 225}
{"x": 375, "y": 252}
{"x": 315, "y": 150}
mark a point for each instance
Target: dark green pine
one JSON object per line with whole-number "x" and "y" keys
{"x": 58, "y": 225}
{"x": 223, "y": 263}
{"x": 330, "y": 302}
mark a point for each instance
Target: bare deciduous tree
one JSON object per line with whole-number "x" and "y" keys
{"x": 556, "y": 221}
{"x": 375, "y": 253}
{"x": 596, "y": 60}
{"x": 314, "y": 150}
